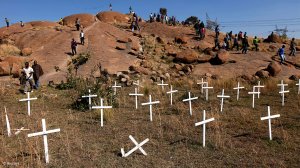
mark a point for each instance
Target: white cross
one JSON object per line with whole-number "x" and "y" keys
{"x": 162, "y": 84}
{"x": 150, "y": 103}
{"x": 253, "y": 95}
{"x": 28, "y": 101}
{"x": 137, "y": 146}
{"x": 206, "y": 90}
{"x": 222, "y": 99}
{"x": 282, "y": 92}
{"x": 19, "y": 130}
{"x": 44, "y": 133}
{"x": 137, "y": 83}
{"x": 258, "y": 88}
{"x": 101, "y": 107}
{"x": 115, "y": 88}
{"x": 204, "y": 125}
{"x": 171, "y": 93}
{"x": 202, "y": 83}
{"x": 190, "y": 101}
{"x": 136, "y": 97}
{"x": 298, "y": 84}
{"x": 282, "y": 85}
{"x": 7, "y": 123}
{"x": 269, "y": 117}
{"x": 238, "y": 90}
{"x": 90, "y": 98}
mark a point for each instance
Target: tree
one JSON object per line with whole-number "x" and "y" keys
{"x": 163, "y": 11}
{"x": 191, "y": 20}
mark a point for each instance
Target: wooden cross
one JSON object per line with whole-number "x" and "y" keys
{"x": 44, "y": 133}
{"x": 202, "y": 83}
{"x": 238, "y": 90}
{"x": 101, "y": 107}
{"x": 115, "y": 88}
{"x": 222, "y": 99}
{"x": 137, "y": 146}
{"x": 7, "y": 123}
{"x": 136, "y": 94}
{"x": 269, "y": 117}
{"x": 258, "y": 88}
{"x": 162, "y": 84}
{"x": 204, "y": 125}
{"x": 206, "y": 87}
{"x": 90, "y": 98}
{"x": 253, "y": 95}
{"x": 171, "y": 94}
{"x": 189, "y": 99}
{"x": 28, "y": 101}
{"x": 150, "y": 103}
{"x": 298, "y": 84}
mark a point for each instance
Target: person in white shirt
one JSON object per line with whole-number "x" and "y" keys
{"x": 81, "y": 35}
{"x": 28, "y": 72}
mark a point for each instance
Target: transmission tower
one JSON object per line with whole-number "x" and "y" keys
{"x": 210, "y": 24}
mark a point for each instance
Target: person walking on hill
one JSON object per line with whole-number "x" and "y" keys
{"x": 235, "y": 42}
{"x": 28, "y": 74}
{"x": 293, "y": 47}
{"x": 217, "y": 31}
{"x": 255, "y": 43}
{"x": 77, "y": 24}
{"x": 37, "y": 72}
{"x": 81, "y": 35}
{"x": 281, "y": 54}
{"x": 202, "y": 30}
{"x": 73, "y": 46}
{"x": 245, "y": 45}
{"x": 240, "y": 36}
{"x": 7, "y": 22}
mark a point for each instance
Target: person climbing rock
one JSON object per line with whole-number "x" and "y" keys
{"x": 77, "y": 24}
{"x": 73, "y": 46}
{"x": 37, "y": 72}
{"x": 245, "y": 45}
{"x": 293, "y": 47}
{"x": 281, "y": 54}
{"x": 81, "y": 35}
{"x": 255, "y": 43}
{"x": 7, "y": 22}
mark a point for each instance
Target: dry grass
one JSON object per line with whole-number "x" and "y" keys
{"x": 237, "y": 138}
{"x": 7, "y": 49}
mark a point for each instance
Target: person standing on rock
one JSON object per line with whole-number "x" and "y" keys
{"x": 293, "y": 47}
{"x": 73, "y": 46}
{"x": 217, "y": 31}
{"x": 61, "y": 21}
{"x": 202, "y": 30}
{"x": 235, "y": 42}
{"x": 7, "y": 22}
{"x": 217, "y": 43}
{"x": 255, "y": 43}
{"x": 281, "y": 54}
{"x": 110, "y": 7}
{"x": 37, "y": 72}
{"x": 245, "y": 45}
{"x": 77, "y": 24}
{"x": 28, "y": 71}
{"x": 22, "y": 24}
{"x": 81, "y": 35}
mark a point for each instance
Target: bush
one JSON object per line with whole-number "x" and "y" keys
{"x": 163, "y": 11}
{"x": 191, "y": 20}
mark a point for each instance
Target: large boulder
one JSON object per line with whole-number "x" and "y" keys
{"x": 262, "y": 74}
{"x": 4, "y": 69}
{"x": 274, "y": 68}
{"x": 113, "y": 17}
{"x": 26, "y": 51}
{"x": 85, "y": 20}
{"x": 221, "y": 57}
{"x": 139, "y": 69}
{"x": 187, "y": 56}
{"x": 181, "y": 39}
{"x": 8, "y": 49}
{"x": 15, "y": 70}
{"x": 38, "y": 24}
{"x": 15, "y": 60}
{"x": 273, "y": 38}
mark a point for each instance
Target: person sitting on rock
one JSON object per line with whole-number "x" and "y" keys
{"x": 235, "y": 42}
{"x": 77, "y": 24}
{"x": 37, "y": 72}
{"x": 255, "y": 43}
{"x": 293, "y": 47}
{"x": 7, "y": 22}
{"x": 73, "y": 46}
{"x": 245, "y": 45}
{"x": 281, "y": 54}
{"x": 81, "y": 35}
{"x": 28, "y": 71}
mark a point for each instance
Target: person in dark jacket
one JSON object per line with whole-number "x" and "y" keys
{"x": 7, "y": 22}
{"x": 73, "y": 46}
{"x": 236, "y": 42}
{"x": 245, "y": 45}
{"x": 37, "y": 72}
{"x": 293, "y": 47}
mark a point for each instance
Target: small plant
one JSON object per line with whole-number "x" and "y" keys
{"x": 81, "y": 59}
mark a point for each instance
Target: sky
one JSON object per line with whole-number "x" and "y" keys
{"x": 256, "y": 17}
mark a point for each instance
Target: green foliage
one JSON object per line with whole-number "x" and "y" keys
{"x": 81, "y": 59}
{"x": 163, "y": 11}
{"x": 192, "y": 20}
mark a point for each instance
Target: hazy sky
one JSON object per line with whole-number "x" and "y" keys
{"x": 257, "y": 17}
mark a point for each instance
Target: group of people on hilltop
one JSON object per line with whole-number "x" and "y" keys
{"x": 156, "y": 17}
{"x": 8, "y": 23}
{"x": 31, "y": 76}
{"x": 200, "y": 29}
